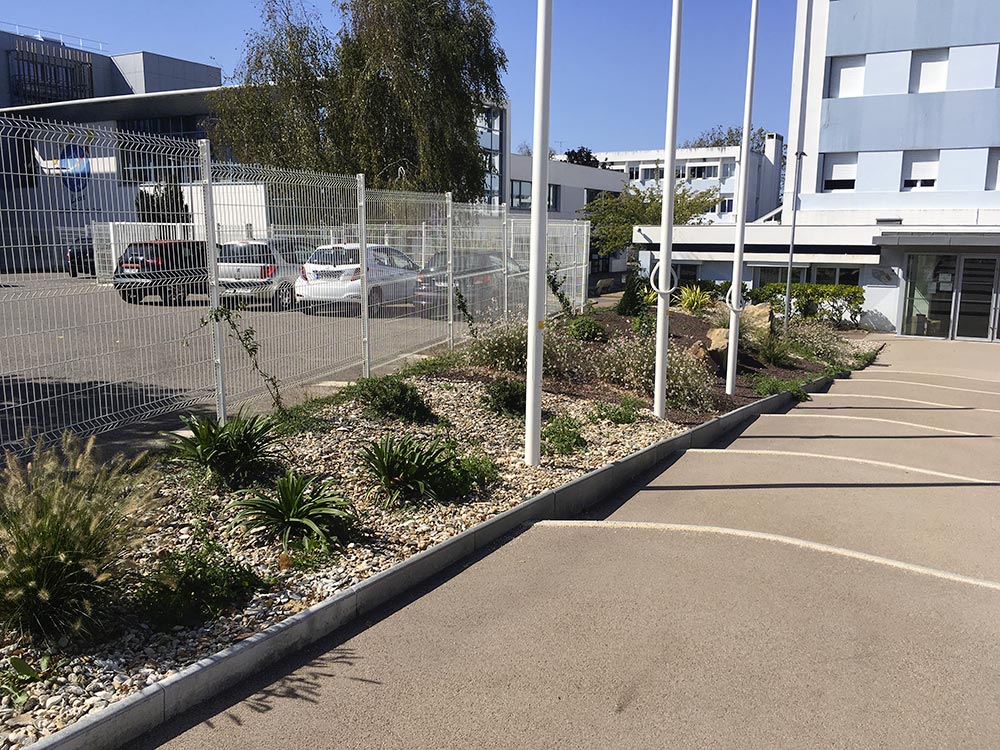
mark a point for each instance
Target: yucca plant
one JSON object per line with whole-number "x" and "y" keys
{"x": 407, "y": 471}
{"x": 235, "y": 452}
{"x": 66, "y": 521}
{"x": 300, "y": 508}
{"x": 693, "y": 299}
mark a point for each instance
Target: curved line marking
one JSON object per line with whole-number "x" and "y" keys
{"x": 957, "y": 407}
{"x": 926, "y": 385}
{"x": 876, "y": 419}
{"x": 789, "y": 540}
{"x": 847, "y": 459}
{"x": 866, "y": 375}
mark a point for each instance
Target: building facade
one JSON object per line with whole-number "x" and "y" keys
{"x": 895, "y": 128}
{"x": 710, "y": 168}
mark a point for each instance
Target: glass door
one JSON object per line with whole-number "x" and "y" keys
{"x": 977, "y": 299}
{"x": 930, "y": 288}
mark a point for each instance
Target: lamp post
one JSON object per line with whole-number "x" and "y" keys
{"x": 539, "y": 228}
{"x": 735, "y": 297}
{"x": 662, "y": 284}
{"x": 791, "y": 241}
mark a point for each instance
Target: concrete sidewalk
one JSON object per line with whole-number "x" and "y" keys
{"x": 828, "y": 578}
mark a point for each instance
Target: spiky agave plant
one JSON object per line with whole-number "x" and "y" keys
{"x": 66, "y": 520}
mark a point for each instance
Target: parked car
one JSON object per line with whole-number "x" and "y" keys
{"x": 80, "y": 257}
{"x": 262, "y": 270}
{"x": 479, "y": 276}
{"x": 169, "y": 269}
{"x": 332, "y": 276}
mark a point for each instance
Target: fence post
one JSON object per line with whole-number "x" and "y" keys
{"x": 211, "y": 256}
{"x": 423, "y": 244}
{"x": 451, "y": 274}
{"x": 366, "y": 348}
{"x": 586, "y": 264}
{"x": 506, "y": 261}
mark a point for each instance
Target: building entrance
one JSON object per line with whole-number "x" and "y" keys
{"x": 952, "y": 296}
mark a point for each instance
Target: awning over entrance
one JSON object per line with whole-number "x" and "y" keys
{"x": 983, "y": 241}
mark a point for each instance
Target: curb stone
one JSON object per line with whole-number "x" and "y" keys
{"x": 142, "y": 712}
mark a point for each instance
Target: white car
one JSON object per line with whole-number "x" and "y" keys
{"x": 332, "y": 276}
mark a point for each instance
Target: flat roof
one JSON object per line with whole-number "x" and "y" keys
{"x": 938, "y": 239}
{"x": 123, "y": 107}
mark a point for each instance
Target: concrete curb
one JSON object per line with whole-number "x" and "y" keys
{"x": 141, "y": 712}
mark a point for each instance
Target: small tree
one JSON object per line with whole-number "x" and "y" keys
{"x": 721, "y": 137}
{"x": 163, "y": 204}
{"x": 582, "y": 156}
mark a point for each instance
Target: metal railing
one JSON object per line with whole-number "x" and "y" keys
{"x": 122, "y": 300}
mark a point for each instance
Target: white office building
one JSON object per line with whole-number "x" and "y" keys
{"x": 708, "y": 168}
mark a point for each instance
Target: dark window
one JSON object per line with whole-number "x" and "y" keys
{"x": 928, "y": 183}
{"x": 555, "y": 197}
{"x": 829, "y": 185}
{"x": 633, "y": 173}
{"x": 520, "y": 195}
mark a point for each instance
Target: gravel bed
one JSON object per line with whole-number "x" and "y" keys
{"x": 78, "y": 683}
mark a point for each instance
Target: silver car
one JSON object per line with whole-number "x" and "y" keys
{"x": 262, "y": 270}
{"x": 332, "y": 276}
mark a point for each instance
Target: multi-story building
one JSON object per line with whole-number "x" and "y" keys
{"x": 896, "y": 126}
{"x": 710, "y": 168}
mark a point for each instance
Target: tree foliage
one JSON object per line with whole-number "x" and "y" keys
{"x": 721, "y": 136}
{"x": 394, "y": 94}
{"x": 582, "y": 156}
{"x": 613, "y": 217}
{"x": 162, "y": 204}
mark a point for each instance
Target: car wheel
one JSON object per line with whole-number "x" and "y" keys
{"x": 284, "y": 298}
{"x": 375, "y": 303}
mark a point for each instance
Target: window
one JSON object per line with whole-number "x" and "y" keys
{"x": 928, "y": 70}
{"x": 840, "y": 172}
{"x": 847, "y": 77}
{"x": 703, "y": 172}
{"x": 633, "y": 173}
{"x": 592, "y": 194}
{"x": 648, "y": 174}
{"x": 555, "y": 194}
{"x": 728, "y": 169}
{"x": 726, "y": 206}
{"x": 679, "y": 171}
{"x": 920, "y": 170}
{"x": 686, "y": 273}
{"x": 764, "y": 275}
{"x": 834, "y": 275}
{"x": 520, "y": 195}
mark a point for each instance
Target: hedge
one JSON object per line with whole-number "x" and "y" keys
{"x": 836, "y": 303}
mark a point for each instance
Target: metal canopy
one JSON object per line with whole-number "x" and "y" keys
{"x": 938, "y": 239}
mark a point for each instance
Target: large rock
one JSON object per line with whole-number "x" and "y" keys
{"x": 699, "y": 351}
{"x": 758, "y": 316}
{"x": 718, "y": 346}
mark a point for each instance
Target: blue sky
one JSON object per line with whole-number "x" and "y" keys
{"x": 609, "y": 57}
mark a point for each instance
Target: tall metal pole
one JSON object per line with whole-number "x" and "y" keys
{"x": 539, "y": 228}
{"x": 212, "y": 259}
{"x": 366, "y": 341}
{"x": 796, "y": 179}
{"x": 735, "y": 297}
{"x": 663, "y": 285}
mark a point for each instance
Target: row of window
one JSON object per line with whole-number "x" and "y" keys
{"x": 917, "y": 72}
{"x": 764, "y": 275}
{"x": 919, "y": 170}
{"x": 520, "y": 195}
{"x": 685, "y": 172}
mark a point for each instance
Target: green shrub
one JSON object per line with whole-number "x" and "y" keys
{"x": 820, "y": 342}
{"x": 66, "y": 522}
{"x": 18, "y": 675}
{"x": 769, "y": 385}
{"x": 557, "y": 284}
{"x": 566, "y": 358}
{"x": 561, "y": 434}
{"x": 866, "y": 357}
{"x": 431, "y": 365}
{"x": 390, "y": 397}
{"x": 630, "y": 362}
{"x": 625, "y": 411}
{"x": 644, "y": 324}
{"x": 506, "y": 396}
{"x": 299, "y": 509}
{"x": 633, "y": 299}
{"x": 585, "y": 328}
{"x": 772, "y": 349}
{"x": 835, "y": 303}
{"x": 693, "y": 299}
{"x": 237, "y": 452}
{"x": 192, "y": 586}
{"x": 463, "y": 474}
{"x": 501, "y": 346}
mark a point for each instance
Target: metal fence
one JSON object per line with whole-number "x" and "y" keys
{"x": 135, "y": 273}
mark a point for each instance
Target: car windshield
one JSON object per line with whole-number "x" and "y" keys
{"x": 335, "y": 256}
{"x": 240, "y": 253}
{"x": 173, "y": 253}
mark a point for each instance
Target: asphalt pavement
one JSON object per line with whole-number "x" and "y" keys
{"x": 826, "y": 578}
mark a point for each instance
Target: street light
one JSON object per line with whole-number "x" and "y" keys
{"x": 791, "y": 241}
{"x": 734, "y": 299}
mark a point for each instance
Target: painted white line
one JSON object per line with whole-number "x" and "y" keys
{"x": 867, "y": 375}
{"x": 956, "y": 407}
{"x": 789, "y": 540}
{"x": 846, "y": 459}
{"x": 793, "y": 415}
{"x": 922, "y": 385}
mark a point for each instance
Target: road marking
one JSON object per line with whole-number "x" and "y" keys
{"x": 847, "y": 459}
{"x": 789, "y": 540}
{"x": 925, "y": 385}
{"x": 865, "y": 375}
{"x": 874, "y": 419}
{"x": 907, "y": 400}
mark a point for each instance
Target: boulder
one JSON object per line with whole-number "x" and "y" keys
{"x": 718, "y": 346}
{"x": 699, "y": 351}
{"x": 758, "y": 316}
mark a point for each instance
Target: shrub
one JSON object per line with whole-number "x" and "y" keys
{"x": 633, "y": 299}
{"x": 630, "y": 362}
{"x": 556, "y": 284}
{"x": 820, "y": 342}
{"x": 390, "y": 397}
{"x": 463, "y": 474}
{"x": 195, "y": 585}
{"x": 644, "y": 325}
{"x": 506, "y": 396}
{"x": 561, "y": 434}
{"x": 693, "y": 299}
{"x": 836, "y": 303}
{"x": 566, "y": 358}
{"x": 501, "y": 346}
{"x": 236, "y": 452}
{"x": 865, "y": 357}
{"x": 626, "y": 411}
{"x": 66, "y": 522}
{"x": 585, "y": 328}
{"x": 299, "y": 509}
{"x": 769, "y": 385}
{"x": 772, "y": 349}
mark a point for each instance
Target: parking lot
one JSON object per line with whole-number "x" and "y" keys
{"x": 76, "y": 355}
